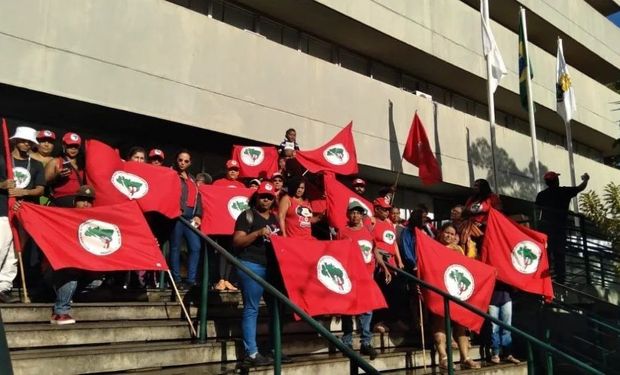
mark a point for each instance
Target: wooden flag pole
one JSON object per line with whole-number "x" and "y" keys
{"x": 187, "y": 317}
{"x": 21, "y": 271}
{"x": 422, "y": 332}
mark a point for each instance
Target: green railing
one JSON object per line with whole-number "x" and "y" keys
{"x": 355, "y": 359}
{"x": 5, "y": 357}
{"x": 531, "y": 340}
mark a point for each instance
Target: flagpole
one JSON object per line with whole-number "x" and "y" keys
{"x": 530, "y": 101}
{"x": 422, "y": 331}
{"x": 569, "y": 146}
{"x": 491, "y": 102}
{"x": 187, "y": 317}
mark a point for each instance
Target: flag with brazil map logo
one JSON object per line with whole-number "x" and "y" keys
{"x": 221, "y": 206}
{"x": 117, "y": 181}
{"x": 338, "y": 155}
{"x": 326, "y": 277}
{"x": 338, "y": 198}
{"x": 256, "y": 161}
{"x": 467, "y": 279}
{"x": 519, "y": 254}
{"x": 107, "y": 238}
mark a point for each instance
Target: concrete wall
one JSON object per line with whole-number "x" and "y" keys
{"x": 162, "y": 60}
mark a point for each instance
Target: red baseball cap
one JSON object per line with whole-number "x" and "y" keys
{"x": 72, "y": 139}
{"x": 277, "y": 174}
{"x": 232, "y": 164}
{"x": 266, "y": 187}
{"x": 382, "y": 202}
{"x": 46, "y": 134}
{"x": 551, "y": 175}
{"x": 359, "y": 182}
{"x": 156, "y": 153}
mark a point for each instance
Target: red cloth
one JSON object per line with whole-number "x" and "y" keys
{"x": 221, "y": 206}
{"x": 479, "y": 210}
{"x": 326, "y": 277}
{"x": 467, "y": 279}
{"x": 155, "y": 188}
{"x": 297, "y": 219}
{"x": 109, "y": 238}
{"x": 338, "y": 198}
{"x": 318, "y": 206}
{"x": 338, "y": 155}
{"x": 256, "y": 161}
{"x": 224, "y": 182}
{"x": 364, "y": 239}
{"x": 66, "y": 186}
{"x": 385, "y": 238}
{"x": 418, "y": 152}
{"x": 519, "y": 254}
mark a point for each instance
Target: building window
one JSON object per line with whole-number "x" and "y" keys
{"x": 353, "y": 61}
{"x": 238, "y": 17}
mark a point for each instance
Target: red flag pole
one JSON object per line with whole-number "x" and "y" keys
{"x": 8, "y": 158}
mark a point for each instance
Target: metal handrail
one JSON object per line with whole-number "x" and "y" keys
{"x": 530, "y": 339}
{"x": 591, "y": 317}
{"x": 584, "y": 294}
{"x": 5, "y": 358}
{"x": 353, "y": 355}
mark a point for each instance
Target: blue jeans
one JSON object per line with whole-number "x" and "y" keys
{"x": 251, "y": 292}
{"x": 363, "y": 327}
{"x": 501, "y": 338}
{"x": 64, "y": 283}
{"x": 179, "y": 232}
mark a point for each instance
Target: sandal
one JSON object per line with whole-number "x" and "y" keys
{"x": 381, "y": 328}
{"x": 469, "y": 364}
{"x": 512, "y": 359}
{"x": 229, "y": 286}
{"x": 443, "y": 363}
{"x": 495, "y": 360}
{"x": 220, "y": 286}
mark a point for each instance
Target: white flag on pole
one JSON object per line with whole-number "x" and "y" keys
{"x": 491, "y": 51}
{"x": 565, "y": 94}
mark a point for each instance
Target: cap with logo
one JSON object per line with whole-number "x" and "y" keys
{"x": 156, "y": 153}
{"x": 277, "y": 175}
{"x": 86, "y": 191}
{"x": 382, "y": 202}
{"x": 255, "y": 181}
{"x": 359, "y": 182}
{"x": 266, "y": 188}
{"x": 71, "y": 139}
{"x": 355, "y": 205}
{"x": 232, "y": 164}
{"x": 46, "y": 134}
{"x": 551, "y": 175}
{"x": 26, "y": 133}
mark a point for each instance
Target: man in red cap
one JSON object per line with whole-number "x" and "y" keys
{"x": 232, "y": 175}
{"x": 63, "y": 174}
{"x": 553, "y": 203}
{"x": 45, "y": 147}
{"x": 156, "y": 157}
{"x": 359, "y": 186}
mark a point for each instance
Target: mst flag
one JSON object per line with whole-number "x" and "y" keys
{"x": 221, "y": 206}
{"x": 418, "y": 152}
{"x": 519, "y": 254}
{"x": 338, "y": 198}
{"x": 327, "y": 277}
{"x": 467, "y": 279}
{"x": 155, "y": 188}
{"x": 256, "y": 161}
{"x": 565, "y": 94}
{"x": 109, "y": 238}
{"x": 338, "y": 155}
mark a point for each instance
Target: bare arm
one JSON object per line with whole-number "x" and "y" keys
{"x": 243, "y": 239}
{"x": 51, "y": 171}
{"x": 36, "y": 192}
{"x": 285, "y": 203}
{"x": 381, "y": 263}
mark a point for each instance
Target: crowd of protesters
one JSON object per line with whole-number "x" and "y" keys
{"x": 280, "y": 205}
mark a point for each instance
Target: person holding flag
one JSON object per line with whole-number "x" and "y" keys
{"x": 232, "y": 176}
{"x": 64, "y": 174}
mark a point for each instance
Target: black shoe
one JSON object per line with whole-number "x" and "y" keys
{"x": 368, "y": 350}
{"x": 5, "y": 297}
{"x": 283, "y": 357}
{"x": 259, "y": 360}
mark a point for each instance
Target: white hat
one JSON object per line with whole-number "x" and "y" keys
{"x": 27, "y": 133}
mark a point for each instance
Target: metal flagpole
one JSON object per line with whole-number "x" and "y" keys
{"x": 530, "y": 101}
{"x": 491, "y": 103}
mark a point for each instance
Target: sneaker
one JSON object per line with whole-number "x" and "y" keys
{"x": 62, "y": 319}
{"x": 6, "y": 297}
{"x": 283, "y": 358}
{"x": 258, "y": 360}
{"x": 369, "y": 351}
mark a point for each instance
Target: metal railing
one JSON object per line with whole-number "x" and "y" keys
{"x": 5, "y": 357}
{"x": 531, "y": 340}
{"x": 355, "y": 359}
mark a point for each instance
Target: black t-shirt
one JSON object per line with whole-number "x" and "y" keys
{"x": 259, "y": 250}
{"x": 554, "y": 203}
{"x": 28, "y": 174}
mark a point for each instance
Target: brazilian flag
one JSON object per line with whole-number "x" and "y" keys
{"x": 524, "y": 61}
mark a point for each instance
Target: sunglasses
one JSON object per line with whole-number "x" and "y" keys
{"x": 266, "y": 197}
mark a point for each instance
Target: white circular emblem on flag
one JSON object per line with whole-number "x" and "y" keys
{"x": 336, "y": 154}
{"x": 525, "y": 257}
{"x": 98, "y": 237}
{"x": 459, "y": 282}
{"x": 236, "y": 205}
{"x": 368, "y": 210}
{"x": 389, "y": 237}
{"x": 22, "y": 177}
{"x": 252, "y": 156}
{"x": 333, "y": 275}
{"x": 366, "y": 248}
{"x": 130, "y": 185}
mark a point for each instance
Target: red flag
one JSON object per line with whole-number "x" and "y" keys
{"x": 467, "y": 279}
{"x": 256, "y": 161}
{"x": 338, "y": 198}
{"x": 519, "y": 254}
{"x": 327, "y": 277}
{"x": 8, "y": 161}
{"x": 338, "y": 155}
{"x": 418, "y": 152}
{"x": 115, "y": 181}
{"x": 221, "y": 206}
{"x": 109, "y": 238}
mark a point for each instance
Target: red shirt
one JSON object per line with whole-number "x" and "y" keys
{"x": 297, "y": 220}
{"x": 479, "y": 210}
{"x": 228, "y": 183}
{"x": 66, "y": 186}
{"x": 385, "y": 238}
{"x": 365, "y": 241}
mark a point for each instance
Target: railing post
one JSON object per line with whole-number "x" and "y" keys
{"x": 277, "y": 338}
{"x": 586, "y": 253}
{"x": 530, "y": 359}
{"x": 446, "y": 310}
{"x": 204, "y": 295}
{"x": 547, "y": 354}
{"x": 353, "y": 369}
{"x": 162, "y": 274}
